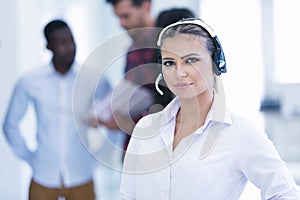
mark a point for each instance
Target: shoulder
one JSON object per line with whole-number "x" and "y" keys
{"x": 244, "y": 132}
{"x": 29, "y": 77}
{"x": 38, "y": 71}
{"x": 149, "y": 124}
{"x": 149, "y": 129}
{"x": 246, "y": 124}
{"x": 249, "y": 133}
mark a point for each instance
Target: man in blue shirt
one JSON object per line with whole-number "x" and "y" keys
{"x": 61, "y": 164}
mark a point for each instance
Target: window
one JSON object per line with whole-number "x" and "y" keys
{"x": 287, "y": 41}
{"x": 238, "y": 26}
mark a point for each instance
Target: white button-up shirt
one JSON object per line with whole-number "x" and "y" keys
{"x": 60, "y": 157}
{"x": 213, "y": 163}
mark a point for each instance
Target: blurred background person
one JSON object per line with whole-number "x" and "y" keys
{"x": 172, "y": 15}
{"x": 140, "y": 68}
{"x": 61, "y": 165}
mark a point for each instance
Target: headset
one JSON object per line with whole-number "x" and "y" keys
{"x": 218, "y": 55}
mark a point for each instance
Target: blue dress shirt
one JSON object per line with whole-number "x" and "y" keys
{"x": 60, "y": 156}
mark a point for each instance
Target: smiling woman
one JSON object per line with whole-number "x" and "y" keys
{"x": 196, "y": 148}
{"x": 192, "y": 60}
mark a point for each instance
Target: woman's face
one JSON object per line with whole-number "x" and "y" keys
{"x": 187, "y": 66}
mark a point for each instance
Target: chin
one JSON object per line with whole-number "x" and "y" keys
{"x": 191, "y": 95}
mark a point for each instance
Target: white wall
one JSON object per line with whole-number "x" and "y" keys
{"x": 9, "y": 62}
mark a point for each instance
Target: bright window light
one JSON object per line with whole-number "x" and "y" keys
{"x": 238, "y": 26}
{"x": 287, "y": 41}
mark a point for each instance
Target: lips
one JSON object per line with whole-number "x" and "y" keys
{"x": 182, "y": 86}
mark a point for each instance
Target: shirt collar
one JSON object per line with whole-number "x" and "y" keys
{"x": 218, "y": 111}
{"x": 170, "y": 111}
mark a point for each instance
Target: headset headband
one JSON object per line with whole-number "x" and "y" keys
{"x": 195, "y": 21}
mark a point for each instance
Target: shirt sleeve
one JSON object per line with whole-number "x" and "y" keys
{"x": 17, "y": 108}
{"x": 262, "y": 165}
{"x": 103, "y": 88}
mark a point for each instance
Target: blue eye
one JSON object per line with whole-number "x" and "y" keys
{"x": 168, "y": 63}
{"x": 192, "y": 60}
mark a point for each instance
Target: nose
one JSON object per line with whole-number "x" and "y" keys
{"x": 180, "y": 70}
{"x": 123, "y": 23}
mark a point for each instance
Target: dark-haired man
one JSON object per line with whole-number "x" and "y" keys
{"x": 135, "y": 17}
{"x": 61, "y": 165}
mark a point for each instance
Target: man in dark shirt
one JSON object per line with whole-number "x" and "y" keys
{"x": 141, "y": 63}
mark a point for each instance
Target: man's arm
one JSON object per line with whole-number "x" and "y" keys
{"x": 11, "y": 126}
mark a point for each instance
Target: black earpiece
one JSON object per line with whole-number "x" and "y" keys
{"x": 219, "y": 58}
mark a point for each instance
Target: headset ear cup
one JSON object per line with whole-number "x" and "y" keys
{"x": 216, "y": 59}
{"x": 222, "y": 62}
{"x": 219, "y": 58}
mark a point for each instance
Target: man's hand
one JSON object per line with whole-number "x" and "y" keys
{"x": 119, "y": 122}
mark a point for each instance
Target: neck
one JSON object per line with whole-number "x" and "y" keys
{"x": 195, "y": 110}
{"x": 61, "y": 67}
{"x": 149, "y": 22}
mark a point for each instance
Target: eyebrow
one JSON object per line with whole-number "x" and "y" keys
{"x": 168, "y": 58}
{"x": 183, "y": 57}
{"x": 191, "y": 54}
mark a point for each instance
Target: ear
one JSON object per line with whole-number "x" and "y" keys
{"x": 146, "y": 6}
